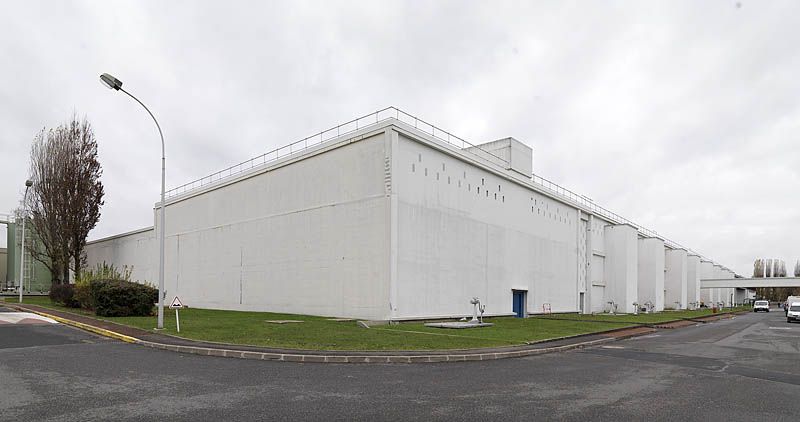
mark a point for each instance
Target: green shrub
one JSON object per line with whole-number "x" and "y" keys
{"x": 112, "y": 298}
{"x": 83, "y": 292}
{"x": 83, "y": 295}
{"x": 64, "y": 294}
{"x": 104, "y": 272}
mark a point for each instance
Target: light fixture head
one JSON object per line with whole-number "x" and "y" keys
{"x": 28, "y": 183}
{"x": 110, "y": 81}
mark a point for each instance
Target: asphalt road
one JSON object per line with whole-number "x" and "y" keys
{"x": 744, "y": 368}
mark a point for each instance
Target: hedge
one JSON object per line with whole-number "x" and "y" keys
{"x": 64, "y": 294}
{"x": 113, "y": 298}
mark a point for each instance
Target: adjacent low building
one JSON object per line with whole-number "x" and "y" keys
{"x": 388, "y": 217}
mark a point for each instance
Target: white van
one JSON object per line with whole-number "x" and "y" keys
{"x": 793, "y": 312}
{"x": 789, "y": 301}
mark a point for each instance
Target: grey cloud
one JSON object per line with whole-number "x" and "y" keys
{"x": 666, "y": 112}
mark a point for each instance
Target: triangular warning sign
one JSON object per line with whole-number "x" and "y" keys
{"x": 176, "y": 303}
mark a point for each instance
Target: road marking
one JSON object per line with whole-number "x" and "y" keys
{"x": 780, "y": 328}
{"x": 24, "y": 318}
{"x": 612, "y": 347}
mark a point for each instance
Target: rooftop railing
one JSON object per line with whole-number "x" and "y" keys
{"x": 373, "y": 119}
{"x": 298, "y": 147}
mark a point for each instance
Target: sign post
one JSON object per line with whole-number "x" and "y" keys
{"x": 176, "y": 305}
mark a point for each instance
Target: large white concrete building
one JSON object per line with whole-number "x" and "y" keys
{"x": 388, "y": 217}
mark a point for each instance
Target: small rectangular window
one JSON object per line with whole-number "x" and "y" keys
{"x": 413, "y": 168}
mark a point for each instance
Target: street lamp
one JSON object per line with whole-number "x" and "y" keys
{"x": 28, "y": 184}
{"x": 115, "y": 84}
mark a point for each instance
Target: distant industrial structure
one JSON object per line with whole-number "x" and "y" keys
{"x": 389, "y": 217}
{"x": 37, "y": 276}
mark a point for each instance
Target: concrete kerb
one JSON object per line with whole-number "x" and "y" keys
{"x": 97, "y": 330}
{"x": 322, "y": 358}
{"x": 701, "y": 319}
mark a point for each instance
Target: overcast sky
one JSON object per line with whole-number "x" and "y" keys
{"x": 682, "y": 116}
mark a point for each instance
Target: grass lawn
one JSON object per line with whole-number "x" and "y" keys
{"x": 319, "y": 333}
{"x": 643, "y": 318}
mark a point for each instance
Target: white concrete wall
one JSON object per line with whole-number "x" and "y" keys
{"x": 693, "y": 280}
{"x": 465, "y": 231}
{"x": 650, "y": 283}
{"x": 600, "y": 292}
{"x": 706, "y": 272}
{"x": 741, "y": 296}
{"x": 724, "y": 294}
{"x": 675, "y": 278}
{"x": 137, "y": 250}
{"x": 621, "y": 266}
{"x": 309, "y": 235}
{"x": 387, "y": 224}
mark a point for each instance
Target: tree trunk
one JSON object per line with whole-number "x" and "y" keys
{"x": 77, "y": 259}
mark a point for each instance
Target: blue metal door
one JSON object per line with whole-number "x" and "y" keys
{"x": 519, "y": 303}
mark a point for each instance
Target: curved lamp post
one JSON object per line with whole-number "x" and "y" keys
{"x": 28, "y": 185}
{"x": 115, "y": 84}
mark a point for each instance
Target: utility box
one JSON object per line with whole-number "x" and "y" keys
{"x": 509, "y": 153}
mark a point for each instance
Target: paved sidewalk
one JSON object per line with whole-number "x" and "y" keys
{"x": 168, "y": 342}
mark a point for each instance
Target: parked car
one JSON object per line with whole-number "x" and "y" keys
{"x": 761, "y": 305}
{"x": 793, "y": 312}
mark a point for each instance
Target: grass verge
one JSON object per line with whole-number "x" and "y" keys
{"x": 642, "y": 318}
{"x": 319, "y": 333}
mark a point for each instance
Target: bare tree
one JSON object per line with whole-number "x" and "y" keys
{"x": 84, "y": 189}
{"x": 66, "y": 195}
{"x": 46, "y": 202}
{"x": 758, "y": 268}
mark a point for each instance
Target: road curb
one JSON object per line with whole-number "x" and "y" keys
{"x": 327, "y": 358}
{"x": 323, "y": 358}
{"x": 87, "y": 327}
